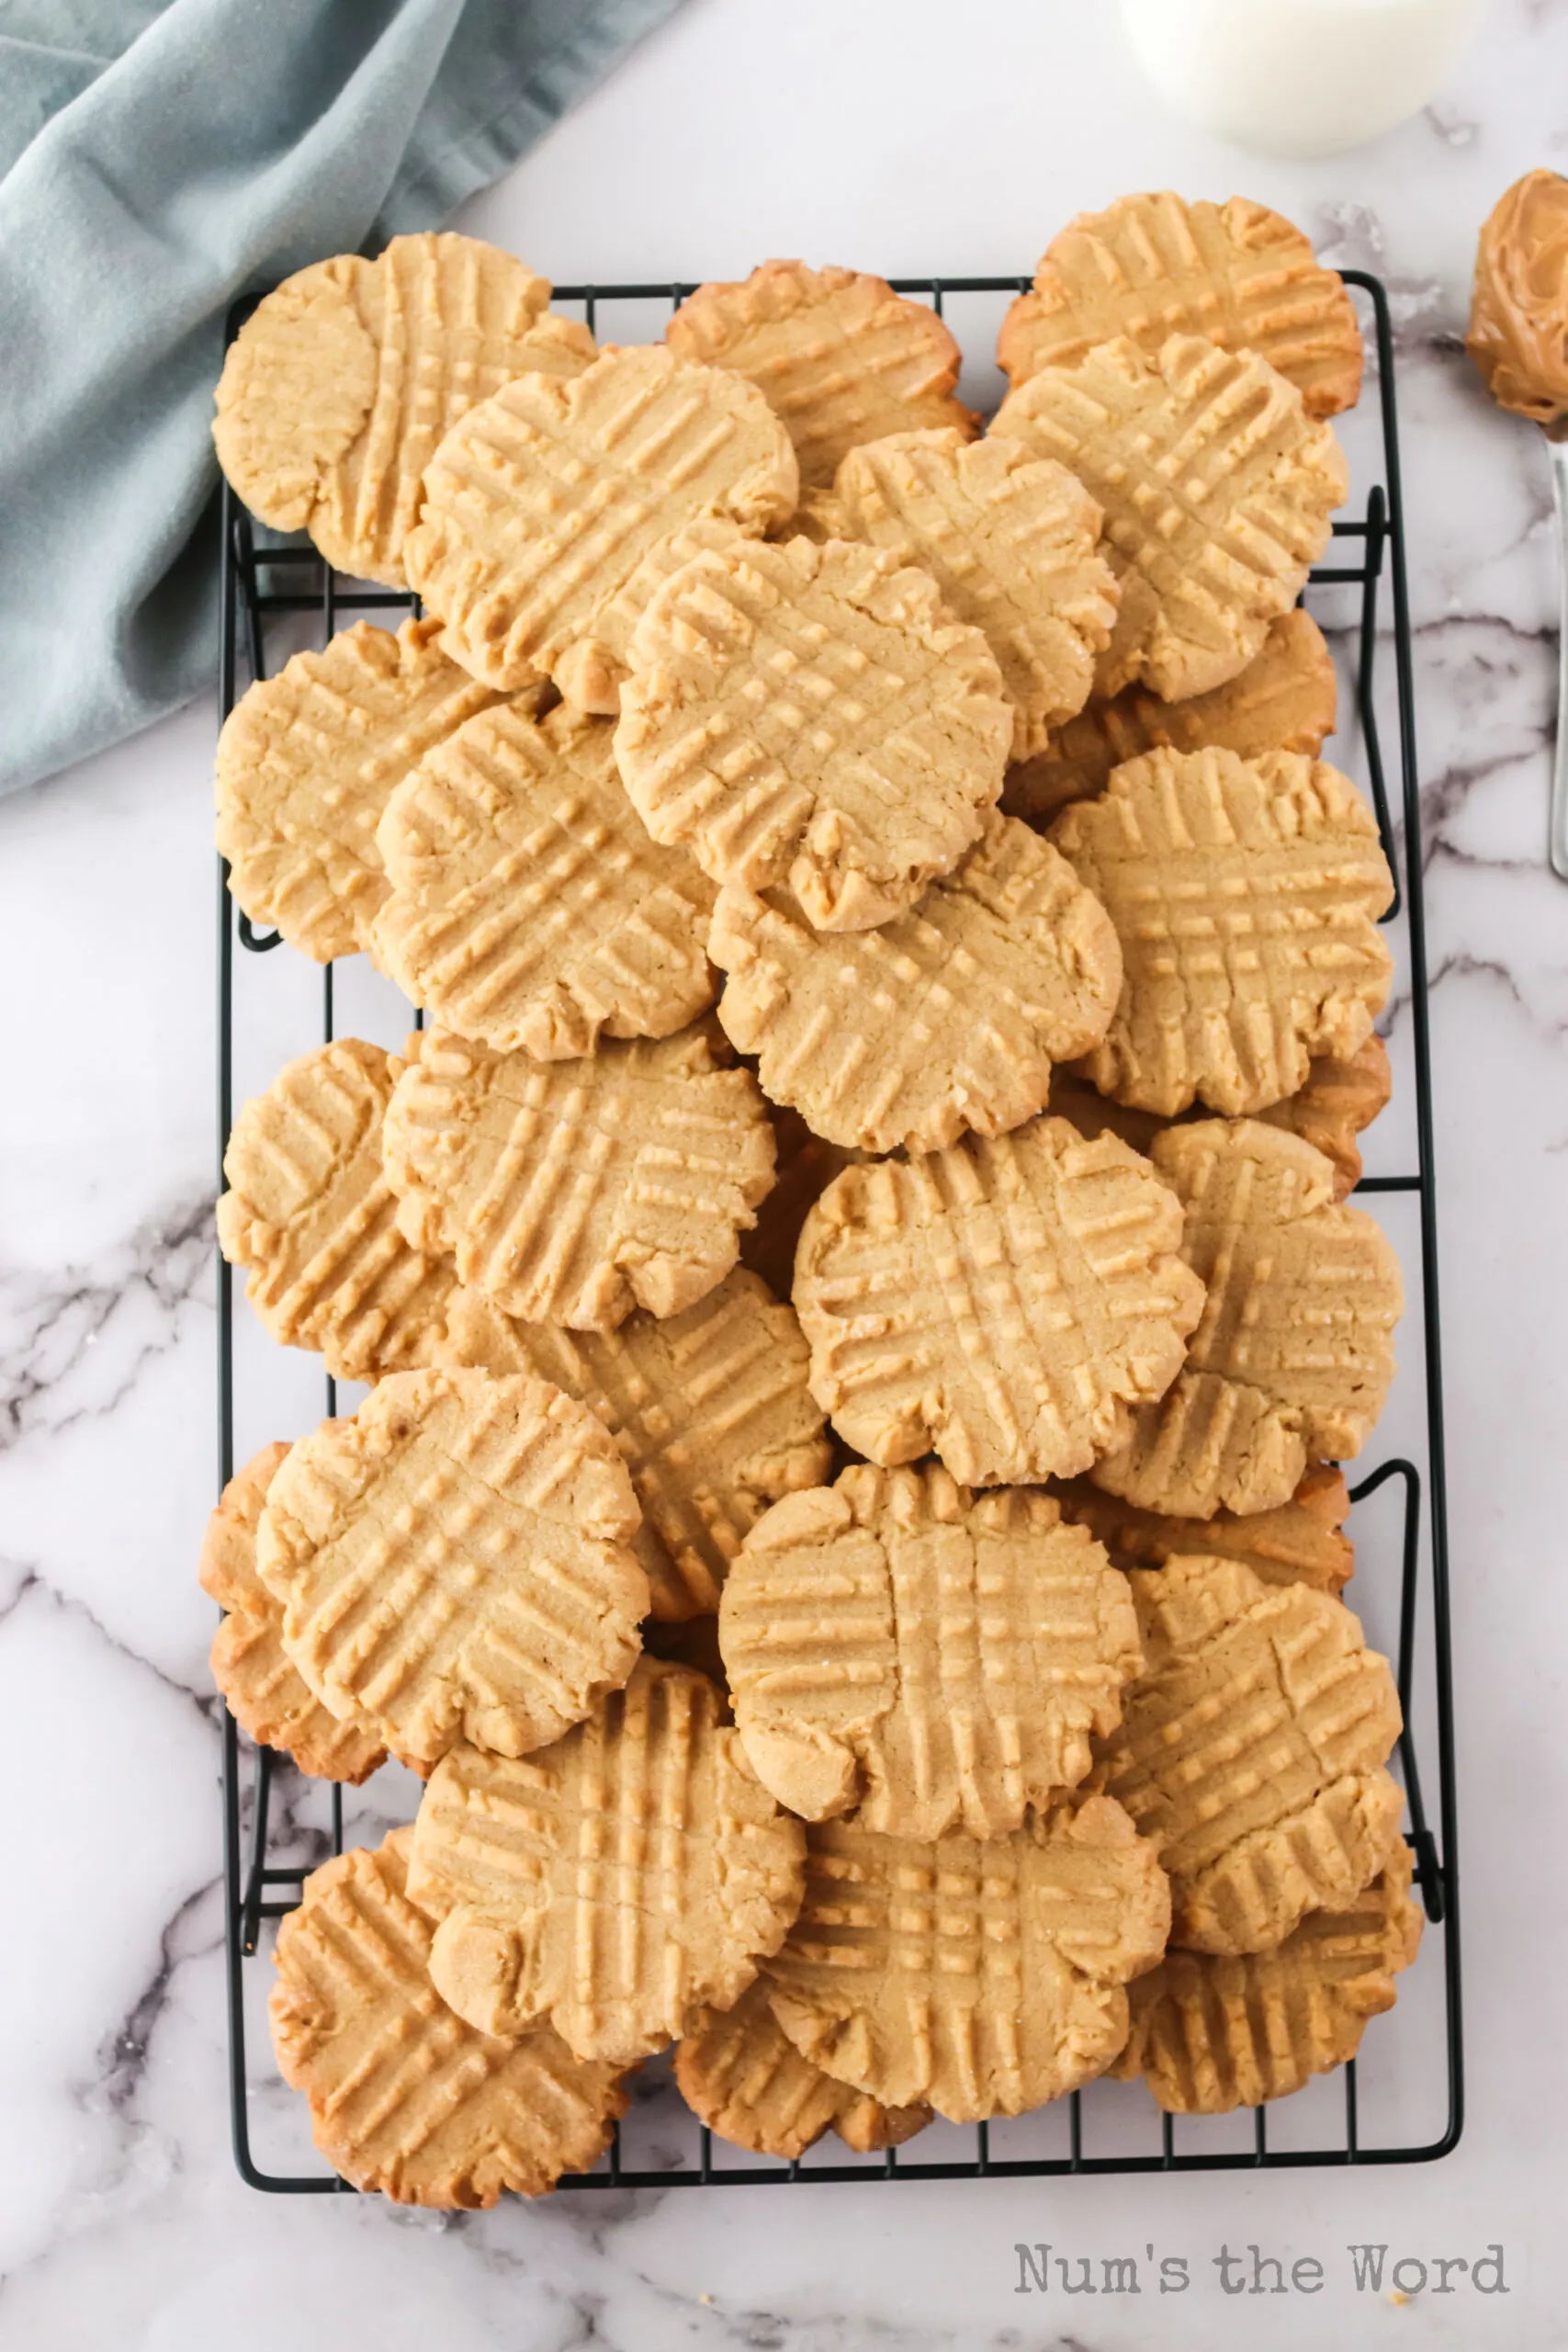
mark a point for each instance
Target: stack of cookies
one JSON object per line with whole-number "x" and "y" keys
{"x": 855, "y": 1277}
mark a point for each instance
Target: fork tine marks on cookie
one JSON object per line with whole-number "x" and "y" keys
{"x": 404, "y": 2097}
{"x": 616, "y": 1880}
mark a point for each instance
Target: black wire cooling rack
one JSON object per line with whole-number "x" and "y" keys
{"x": 267, "y": 585}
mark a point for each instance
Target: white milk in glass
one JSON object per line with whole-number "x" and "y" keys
{"x": 1299, "y": 77}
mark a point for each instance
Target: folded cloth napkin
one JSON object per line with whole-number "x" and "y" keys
{"x": 157, "y": 162}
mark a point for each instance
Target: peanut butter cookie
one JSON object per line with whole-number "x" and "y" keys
{"x": 948, "y": 1018}
{"x": 813, "y": 716}
{"x": 1217, "y": 489}
{"x": 341, "y": 384}
{"x": 453, "y": 1562}
{"x": 574, "y": 1192}
{"x": 978, "y": 1977}
{"x": 404, "y": 2097}
{"x": 614, "y": 1884}
{"x": 1245, "y": 893}
{"x": 1002, "y": 1303}
{"x": 1252, "y": 1750}
{"x": 838, "y": 356}
{"x": 544, "y": 506}
{"x": 528, "y": 909}
{"x": 926, "y": 1658}
{"x": 1151, "y": 266}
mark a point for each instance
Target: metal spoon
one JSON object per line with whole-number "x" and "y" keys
{"x": 1557, "y": 836}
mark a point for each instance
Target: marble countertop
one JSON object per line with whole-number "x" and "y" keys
{"x": 886, "y": 134}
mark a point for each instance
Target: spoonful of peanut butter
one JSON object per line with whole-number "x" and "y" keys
{"x": 1519, "y": 320}
{"x": 1518, "y": 339}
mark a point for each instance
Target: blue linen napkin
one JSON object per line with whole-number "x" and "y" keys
{"x": 157, "y": 162}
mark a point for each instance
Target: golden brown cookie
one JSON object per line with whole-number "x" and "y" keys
{"x": 928, "y": 1659}
{"x": 710, "y": 1412}
{"x": 813, "y": 716}
{"x": 1330, "y": 1109}
{"x": 1292, "y": 1356}
{"x": 257, "y": 1679}
{"x": 1011, "y": 541}
{"x": 404, "y": 2097}
{"x": 1285, "y": 700}
{"x": 528, "y": 909}
{"x": 948, "y": 1018}
{"x": 1217, "y": 489}
{"x": 1245, "y": 893}
{"x": 1151, "y": 266}
{"x": 1002, "y": 1303}
{"x": 1211, "y": 2032}
{"x": 837, "y": 355}
{"x": 1338, "y": 1101}
{"x": 340, "y": 385}
{"x": 307, "y": 763}
{"x": 309, "y": 1217}
{"x": 572, "y": 1191}
{"x": 1252, "y": 1751}
{"x": 979, "y": 1977}
{"x": 741, "y": 2076}
{"x": 226, "y": 1569}
{"x": 1301, "y": 1542}
{"x": 268, "y": 1698}
{"x": 806, "y": 1167}
{"x": 453, "y": 1562}
{"x": 542, "y": 507}
{"x": 613, "y": 1882}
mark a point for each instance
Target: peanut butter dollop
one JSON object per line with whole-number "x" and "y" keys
{"x": 1518, "y": 318}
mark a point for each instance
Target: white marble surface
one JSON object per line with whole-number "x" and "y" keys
{"x": 907, "y": 137}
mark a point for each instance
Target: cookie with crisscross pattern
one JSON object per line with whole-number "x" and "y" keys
{"x": 614, "y": 1883}
{"x": 1151, "y": 266}
{"x": 1001, "y": 1304}
{"x": 813, "y": 716}
{"x": 837, "y": 355}
{"x": 404, "y": 2097}
{"x": 1217, "y": 489}
{"x": 1246, "y": 895}
{"x": 949, "y": 1017}
{"x": 307, "y": 763}
{"x": 312, "y": 1219}
{"x": 1285, "y": 700}
{"x": 1338, "y": 1101}
{"x": 1211, "y": 2032}
{"x": 1252, "y": 1751}
{"x": 741, "y": 2076}
{"x": 453, "y": 1562}
{"x": 1292, "y": 1356}
{"x": 261, "y": 1686}
{"x": 980, "y": 1977}
{"x": 926, "y": 1658}
{"x": 338, "y": 387}
{"x": 527, "y": 907}
{"x": 1010, "y": 539}
{"x": 573, "y": 1192}
{"x": 543, "y": 506}
{"x": 709, "y": 1408}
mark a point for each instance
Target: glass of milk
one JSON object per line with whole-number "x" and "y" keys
{"x": 1299, "y": 77}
